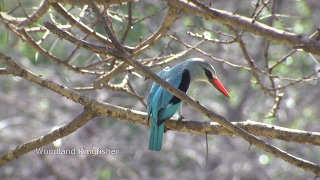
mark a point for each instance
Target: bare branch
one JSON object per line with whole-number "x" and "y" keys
{"x": 5, "y": 71}
{"x": 81, "y": 43}
{"x": 129, "y": 23}
{"x": 75, "y": 22}
{"x": 75, "y": 124}
{"x": 85, "y": 2}
{"x": 161, "y": 32}
{"x": 250, "y": 62}
{"x": 257, "y": 28}
{"x": 111, "y": 74}
{"x": 43, "y": 8}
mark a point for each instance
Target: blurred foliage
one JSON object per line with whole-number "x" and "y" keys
{"x": 29, "y": 111}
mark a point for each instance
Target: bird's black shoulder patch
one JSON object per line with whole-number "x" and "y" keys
{"x": 183, "y": 86}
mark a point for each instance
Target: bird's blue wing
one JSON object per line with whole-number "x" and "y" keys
{"x": 162, "y": 104}
{"x": 167, "y": 103}
{"x": 163, "y": 74}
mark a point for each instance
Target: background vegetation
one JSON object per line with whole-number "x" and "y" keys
{"x": 271, "y": 82}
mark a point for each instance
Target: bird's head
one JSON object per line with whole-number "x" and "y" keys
{"x": 204, "y": 71}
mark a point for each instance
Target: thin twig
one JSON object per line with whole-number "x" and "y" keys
{"x": 41, "y": 10}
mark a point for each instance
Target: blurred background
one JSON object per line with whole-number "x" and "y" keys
{"x": 29, "y": 111}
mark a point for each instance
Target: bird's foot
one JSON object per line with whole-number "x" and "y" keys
{"x": 148, "y": 121}
{"x": 180, "y": 118}
{"x": 180, "y": 122}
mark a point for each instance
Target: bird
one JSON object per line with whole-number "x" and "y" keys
{"x": 162, "y": 105}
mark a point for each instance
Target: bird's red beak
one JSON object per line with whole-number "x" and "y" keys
{"x": 217, "y": 84}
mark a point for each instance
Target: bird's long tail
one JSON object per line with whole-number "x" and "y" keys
{"x": 156, "y": 136}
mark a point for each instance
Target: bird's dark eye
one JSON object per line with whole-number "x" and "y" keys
{"x": 208, "y": 73}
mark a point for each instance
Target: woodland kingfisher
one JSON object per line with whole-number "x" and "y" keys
{"x": 162, "y": 105}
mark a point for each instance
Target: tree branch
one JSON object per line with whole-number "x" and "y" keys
{"x": 75, "y": 124}
{"x": 43, "y": 8}
{"x": 255, "y": 27}
{"x": 84, "y": 28}
{"x": 85, "y": 2}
